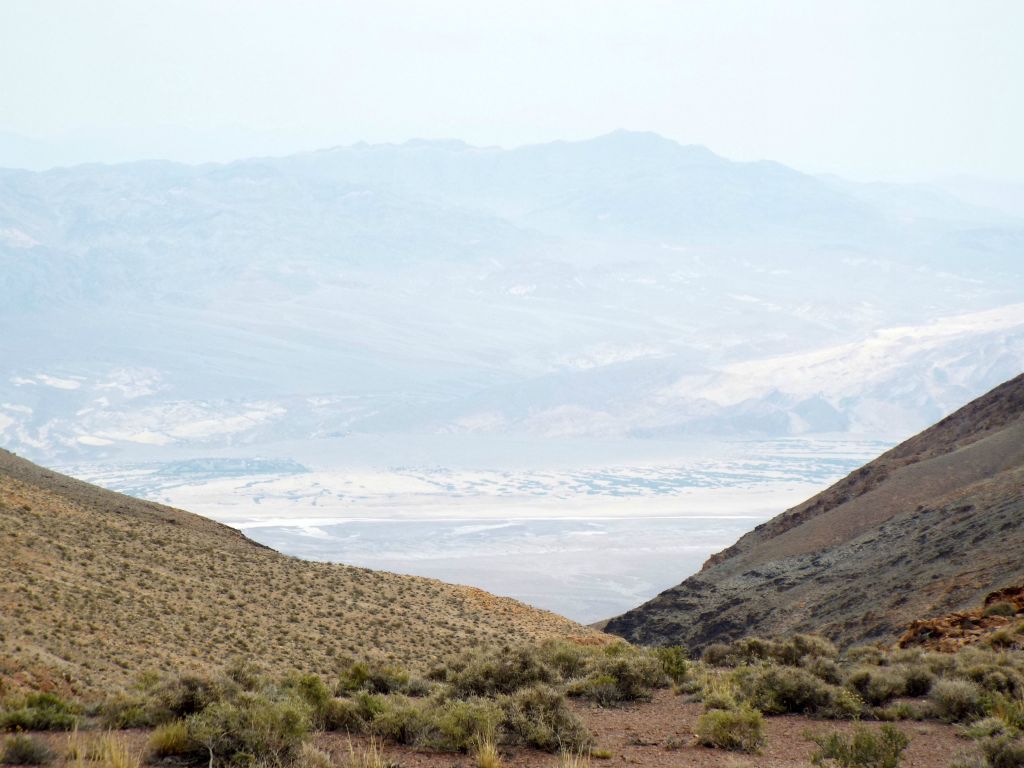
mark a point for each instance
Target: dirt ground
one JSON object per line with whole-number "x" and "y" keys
{"x": 648, "y": 735}
{"x": 659, "y": 734}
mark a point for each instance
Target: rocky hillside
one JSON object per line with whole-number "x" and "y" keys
{"x": 98, "y": 587}
{"x": 927, "y": 528}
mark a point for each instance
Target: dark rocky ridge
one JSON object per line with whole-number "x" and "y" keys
{"x": 927, "y": 528}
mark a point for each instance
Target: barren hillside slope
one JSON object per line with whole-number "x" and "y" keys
{"x": 98, "y": 586}
{"x": 927, "y": 528}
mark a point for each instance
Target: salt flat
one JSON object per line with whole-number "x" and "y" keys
{"x": 587, "y": 537}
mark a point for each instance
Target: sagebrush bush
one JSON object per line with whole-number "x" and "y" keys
{"x": 22, "y": 749}
{"x": 864, "y": 749}
{"x": 957, "y": 700}
{"x": 539, "y": 716}
{"x": 378, "y": 677}
{"x": 620, "y": 677}
{"x": 489, "y": 673}
{"x": 793, "y": 651}
{"x": 739, "y": 730}
{"x": 252, "y": 727}
{"x": 918, "y": 679}
{"x": 876, "y": 685}
{"x": 777, "y": 690}
{"x": 1003, "y": 752}
{"x": 40, "y": 712}
{"x": 338, "y": 714}
{"x": 675, "y": 663}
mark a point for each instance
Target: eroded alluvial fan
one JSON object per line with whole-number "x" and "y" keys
{"x": 927, "y": 528}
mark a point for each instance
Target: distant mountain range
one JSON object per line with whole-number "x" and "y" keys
{"x": 625, "y": 286}
{"x": 927, "y": 528}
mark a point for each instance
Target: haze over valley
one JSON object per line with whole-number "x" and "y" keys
{"x": 487, "y": 356}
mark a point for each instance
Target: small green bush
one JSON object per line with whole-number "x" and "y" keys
{"x": 22, "y": 749}
{"x": 1003, "y": 752}
{"x": 957, "y": 700}
{"x": 252, "y": 728}
{"x": 539, "y": 716}
{"x": 461, "y": 724}
{"x": 621, "y": 677}
{"x": 40, "y": 712}
{"x": 824, "y": 669}
{"x": 778, "y": 690}
{"x": 876, "y": 685}
{"x": 1000, "y": 609}
{"x": 865, "y": 749}
{"x": 486, "y": 673}
{"x": 377, "y": 677}
{"x": 342, "y": 715}
{"x": 675, "y": 662}
{"x": 917, "y": 679}
{"x": 739, "y": 730}
{"x": 398, "y": 718}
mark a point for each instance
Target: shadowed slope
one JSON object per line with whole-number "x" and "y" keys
{"x": 927, "y": 528}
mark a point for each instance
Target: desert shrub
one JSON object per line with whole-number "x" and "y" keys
{"x": 901, "y": 711}
{"x": 996, "y": 677}
{"x": 1007, "y": 639}
{"x": 1003, "y": 752}
{"x": 778, "y": 690}
{"x": 940, "y": 664}
{"x": 824, "y": 669}
{"x": 153, "y": 702}
{"x": 675, "y": 662}
{"x": 172, "y": 740}
{"x": 719, "y": 692}
{"x": 459, "y": 725}
{"x": 569, "y": 660}
{"x": 1000, "y": 609}
{"x": 739, "y": 730}
{"x": 917, "y": 679}
{"x": 864, "y": 749}
{"x": 800, "y": 647}
{"x": 129, "y": 710}
{"x": 621, "y": 676}
{"x": 485, "y": 673}
{"x": 865, "y": 654}
{"x": 1009, "y": 710}
{"x": 397, "y": 718}
{"x": 987, "y": 726}
{"x": 22, "y": 749}
{"x": 252, "y": 728}
{"x": 378, "y": 677}
{"x": 957, "y": 700}
{"x": 40, "y": 712}
{"x": 876, "y": 685}
{"x": 717, "y": 655}
{"x": 342, "y": 715}
{"x": 749, "y": 650}
{"x": 540, "y": 717}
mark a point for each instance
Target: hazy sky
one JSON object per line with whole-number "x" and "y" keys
{"x": 890, "y": 89}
